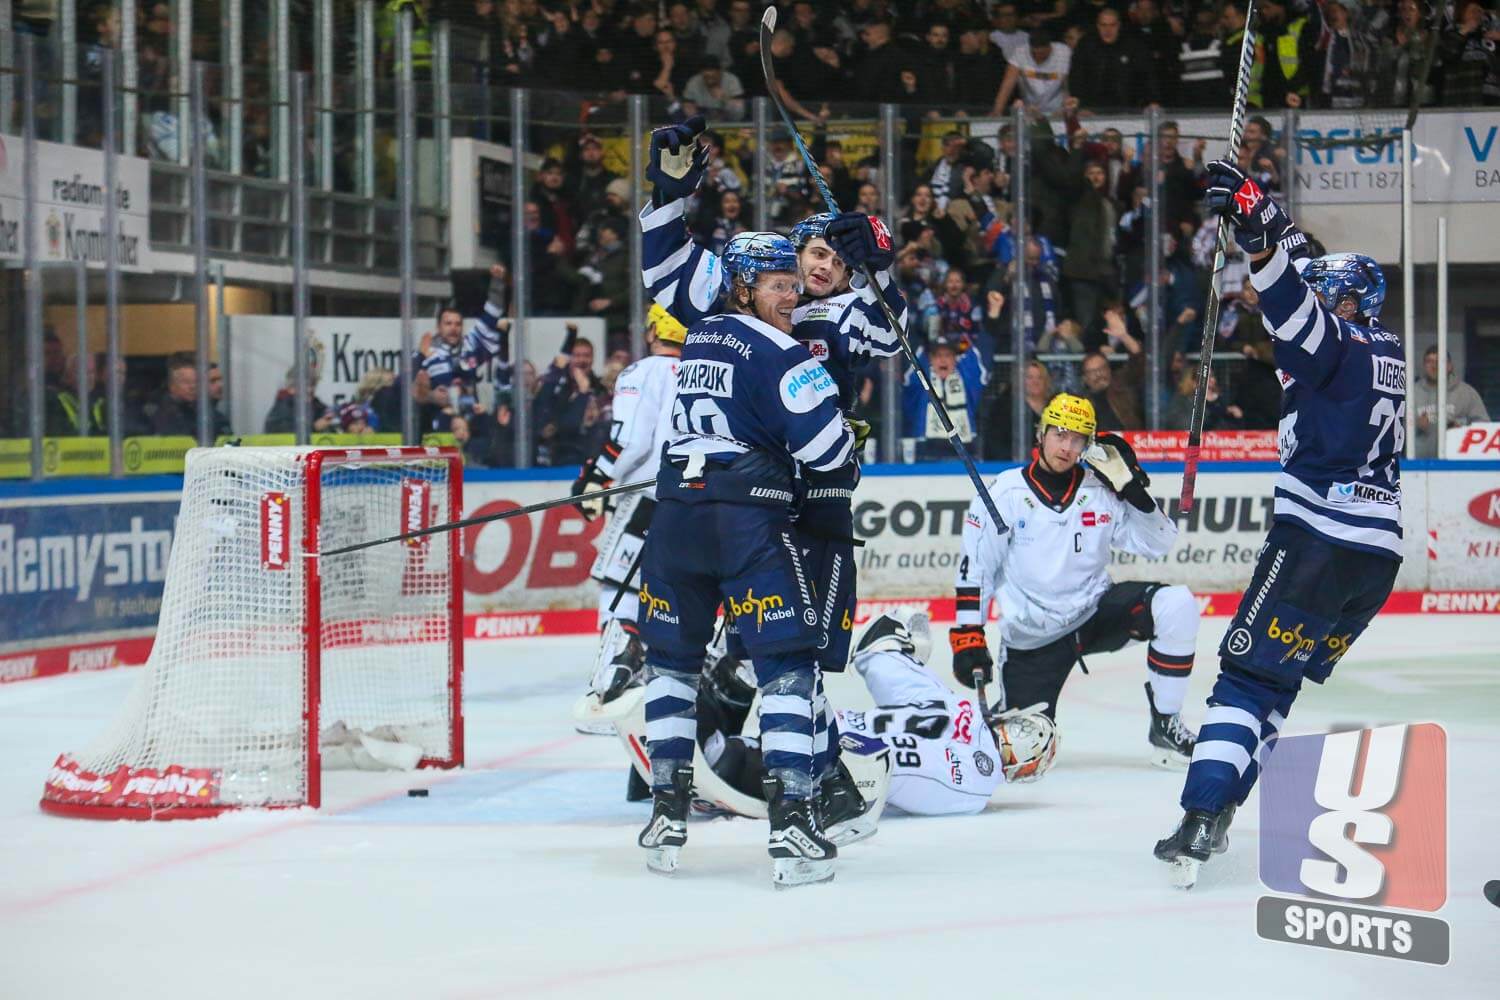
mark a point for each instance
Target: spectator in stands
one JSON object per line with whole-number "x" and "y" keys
{"x": 635, "y": 60}
{"x": 1043, "y": 291}
{"x": 1218, "y": 413}
{"x": 1471, "y": 67}
{"x": 609, "y": 275}
{"x": 712, "y": 28}
{"x": 282, "y": 418}
{"x": 1007, "y": 33}
{"x": 1259, "y": 155}
{"x": 494, "y": 437}
{"x": 1399, "y": 56}
{"x": 672, "y": 70}
{"x": 63, "y": 405}
{"x": 1257, "y": 390}
{"x": 1204, "y": 83}
{"x": 559, "y": 215}
{"x": 615, "y": 208}
{"x": 1285, "y": 56}
{"x": 958, "y": 318}
{"x": 718, "y": 224}
{"x": 440, "y": 355}
{"x": 1179, "y": 180}
{"x": 867, "y": 199}
{"x": 1038, "y": 75}
{"x": 713, "y": 91}
{"x": 934, "y": 66}
{"x": 744, "y": 44}
{"x": 1182, "y": 297}
{"x": 1342, "y": 75}
{"x": 945, "y": 179}
{"x": 176, "y": 413}
{"x": 1116, "y": 397}
{"x": 588, "y": 179}
{"x": 683, "y": 24}
{"x": 1089, "y": 267}
{"x": 876, "y": 73}
{"x": 925, "y": 210}
{"x": 979, "y": 69}
{"x": 803, "y": 75}
{"x": 959, "y": 379}
{"x": 1160, "y": 39}
{"x": 355, "y": 418}
{"x": 569, "y": 405}
{"x": 999, "y": 438}
{"x": 1111, "y": 69}
{"x": 1464, "y": 405}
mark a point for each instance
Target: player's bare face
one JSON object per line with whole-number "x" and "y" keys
{"x": 773, "y": 298}
{"x": 824, "y": 272}
{"x": 1062, "y": 449}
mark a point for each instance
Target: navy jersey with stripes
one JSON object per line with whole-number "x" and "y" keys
{"x": 1343, "y": 415}
{"x": 743, "y": 385}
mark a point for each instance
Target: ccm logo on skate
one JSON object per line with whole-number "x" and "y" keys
{"x": 1357, "y": 816}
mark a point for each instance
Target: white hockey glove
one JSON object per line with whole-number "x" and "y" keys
{"x": 1027, "y": 740}
{"x": 1114, "y": 461}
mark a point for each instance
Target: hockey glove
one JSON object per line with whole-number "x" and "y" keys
{"x": 590, "y": 479}
{"x": 861, "y": 239}
{"x": 970, "y": 653}
{"x": 1259, "y": 223}
{"x": 677, "y": 160}
{"x": 1114, "y": 461}
{"x": 861, "y": 429}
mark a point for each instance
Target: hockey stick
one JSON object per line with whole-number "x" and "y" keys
{"x": 468, "y": 521}
{"x": 1211, "y": 311}
{"x": 767, "y": 29}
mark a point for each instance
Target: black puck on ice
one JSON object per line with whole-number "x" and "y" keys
{"x": 1492, "y": 891}
{"x": 416, "y": 793}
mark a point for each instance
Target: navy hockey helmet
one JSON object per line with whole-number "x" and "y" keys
{"x": 1339, "y": 275}
{"x": 811, "y": 228}
{"x": 750, "y": 254}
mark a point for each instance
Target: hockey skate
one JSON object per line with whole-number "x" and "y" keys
{"x": 800, "y": 854}
{"x": 843, "y": 811}
{"x": 1195, "y": 838}
{"x": 1171, "y": 742}
{"x": 666, "y": 833}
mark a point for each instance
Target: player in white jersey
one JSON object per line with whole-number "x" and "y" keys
{"x": 1048, "y": 564}
{"x": 943, "y": 758}
{"x": 642, "y": 423}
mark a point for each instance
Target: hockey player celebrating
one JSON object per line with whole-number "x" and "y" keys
{"x": 642, "y": 424}
{"x": 752, "y": 407}
{"x": 1049, "y": 566}
{"x": 1334, "y": 547}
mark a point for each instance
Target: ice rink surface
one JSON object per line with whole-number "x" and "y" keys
{"x": 519, "y": 876}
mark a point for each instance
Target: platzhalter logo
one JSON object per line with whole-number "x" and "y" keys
{"x": 1357, "y": 817}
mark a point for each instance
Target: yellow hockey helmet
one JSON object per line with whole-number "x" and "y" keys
{"x": 666, "y": 325}
{"x": 1071, "y": 413}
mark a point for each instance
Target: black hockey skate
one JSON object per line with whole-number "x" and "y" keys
{"x": 665, "y": 834}
{"x": 1190, "y": 845}
{"x": 800, "y": 854}
{"x": 1221, "y": 829}
{"x": 1171, "y": 742}
{"x": 842, "y": 811}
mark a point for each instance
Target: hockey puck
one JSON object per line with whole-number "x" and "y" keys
{"x": 1492, "y": 891}
{"x": 416, "y": 793}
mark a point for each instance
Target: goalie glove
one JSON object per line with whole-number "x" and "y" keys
{"x": 677, "y": 160}
{"x": 861, "y": 239}
{"x": 1114, "y": 461}
{"x": 1259, "y": 222}
{"x": 590, "y": 478}
{"x": 970, "y": 653}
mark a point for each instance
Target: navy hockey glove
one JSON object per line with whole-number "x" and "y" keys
{"x": 861, "y": 239}
{"x": 1114, "y": 461}
{"x": 591, "y": 479}
{"x": 970, "y": 653}
{"x": 1259, "y": 222}
{"x": 677, "y": 160}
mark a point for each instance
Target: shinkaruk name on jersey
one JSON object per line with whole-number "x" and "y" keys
{"x": 1343, "y": 416}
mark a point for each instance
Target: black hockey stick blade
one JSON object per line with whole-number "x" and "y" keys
{"x": 502, "y": 515}
{"x": 767, "y": 29}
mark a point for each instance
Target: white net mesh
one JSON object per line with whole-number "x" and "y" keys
{"x": 251, "y": 644}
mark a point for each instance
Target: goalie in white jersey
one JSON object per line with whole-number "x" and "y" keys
{"x": 1077, "y": 500}
{"x": 641, "y": 425}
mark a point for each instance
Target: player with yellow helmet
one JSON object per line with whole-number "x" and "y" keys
{"x": 1081, "y": 496}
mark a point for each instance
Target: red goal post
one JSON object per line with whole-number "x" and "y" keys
{"x": 271, "y": 661}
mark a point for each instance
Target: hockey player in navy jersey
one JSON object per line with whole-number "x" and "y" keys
{"x": 843, "y": 329}
{"x": 1334, "y": 547}
{"x": 753, "y": 408}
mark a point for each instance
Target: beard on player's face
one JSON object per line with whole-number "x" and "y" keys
{"x": 1060, "y": 449}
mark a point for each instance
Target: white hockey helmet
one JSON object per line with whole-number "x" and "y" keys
{"x": 1027, "y": 740}
{"x": 903, "y": 630}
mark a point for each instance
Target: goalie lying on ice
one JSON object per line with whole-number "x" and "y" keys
{"x": 921, "y": 750}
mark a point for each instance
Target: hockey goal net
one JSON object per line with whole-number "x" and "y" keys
{"x": 271, "y": 662}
